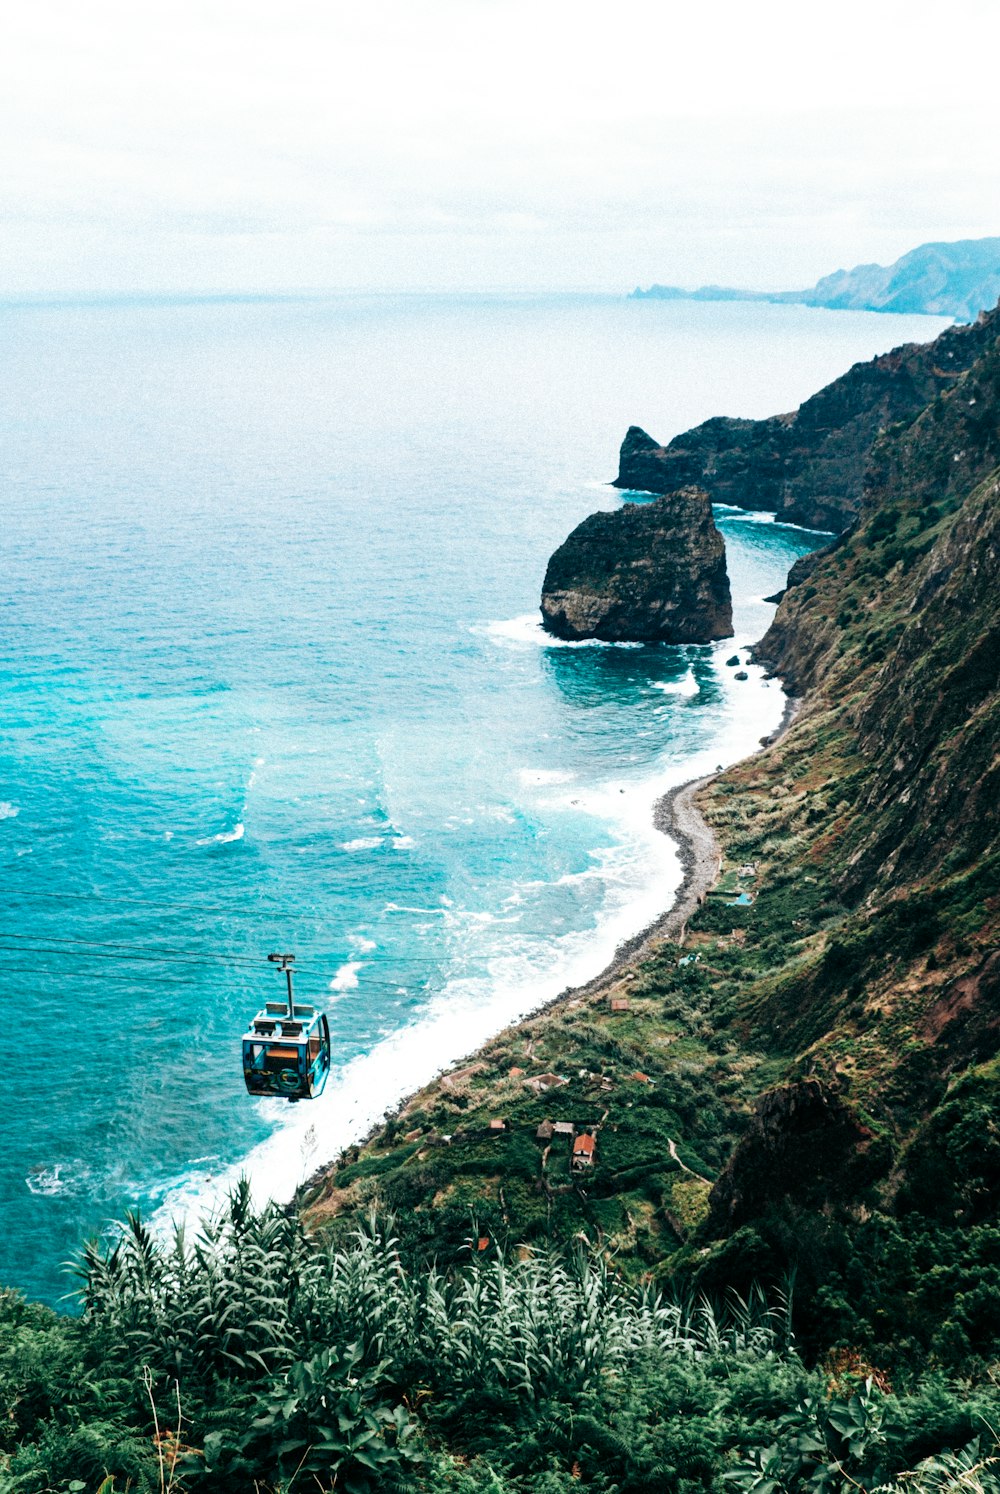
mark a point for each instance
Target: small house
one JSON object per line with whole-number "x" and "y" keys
{"x": 620, "y": 1004}
{"x": 583, "y": 1151}
{"x": 564, "y": 1128}
{"x": 640, "y": 1078}
{"x": 541, "y": 1082}
{"x": 545, "y": 1131}
{"x": 498, "y": 1125}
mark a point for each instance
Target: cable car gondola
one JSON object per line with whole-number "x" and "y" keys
{"x": 286, "y": 1049}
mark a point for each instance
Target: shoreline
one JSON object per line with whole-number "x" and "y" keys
{"x": 676, "y": 815}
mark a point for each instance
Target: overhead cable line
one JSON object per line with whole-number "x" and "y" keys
{"x": 138, "y": 978}
{"x": 135, "y": 902}
{"x": 159, "y": 906}
{"x": 146, "y": 980}
{"x": 198, "y": 957}
{"x": 61, "y": 975}
{"x": 126, "y": 958}
{"x": 239, "y": 910}
{"x": 143, "y": 951}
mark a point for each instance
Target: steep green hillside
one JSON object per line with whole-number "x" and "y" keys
{"x": 803, "y": 1096}
{"x": 791, "y": 1086}
{"x": 886, "y": 794}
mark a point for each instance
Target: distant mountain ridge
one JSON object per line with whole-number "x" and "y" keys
{"x": 959, "y": 279}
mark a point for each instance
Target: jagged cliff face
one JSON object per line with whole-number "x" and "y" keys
{"x": 808, "y": 466}
{"x": 915, "y": 480}
{"x": 828, "y": 1066}
{"x": 876, "y": 823}
{"x": 902, "y": 620}
{"x": 653, "y": 572}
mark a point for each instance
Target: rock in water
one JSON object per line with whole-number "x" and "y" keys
{"x": 650, "y": 573}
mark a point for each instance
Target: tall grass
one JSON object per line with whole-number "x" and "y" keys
{"x": 250, "y": 1292}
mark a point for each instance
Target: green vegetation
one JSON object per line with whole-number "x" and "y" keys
{"x": 256, "y": 1357}
{"x": 807, "y": 1087}
{"x": 809, "y": 1083}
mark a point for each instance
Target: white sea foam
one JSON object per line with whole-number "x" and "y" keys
{"x": 527, "y": 632}
{"x": 362, "y": 943}
{"x": 752, "y": 516}
{"x": 407, "y": 908}
{"x": 49, "y": 1182}
{"x": 502, "y": 813}
{"x": 346, "y": 978}
{"x": 743, "y": 515}
{"x": 687, "y": 686}
{"x": 362, "y": 843}
{"x": 8, "y": 811}
{"x": 533, "y": 777}
{"x": 403, "y": 843}
{"x": 226, "y": 837}
{"x": 640, "y": 874}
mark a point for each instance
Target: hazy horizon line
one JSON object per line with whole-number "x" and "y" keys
{"x": 41, "y": 299}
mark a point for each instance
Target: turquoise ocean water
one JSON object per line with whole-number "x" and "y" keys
{"x": 270, "y": 678}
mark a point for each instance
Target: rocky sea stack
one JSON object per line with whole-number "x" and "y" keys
{"x": 650, "y": 573}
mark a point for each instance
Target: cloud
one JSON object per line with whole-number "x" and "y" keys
{"x": 463, "y": 141}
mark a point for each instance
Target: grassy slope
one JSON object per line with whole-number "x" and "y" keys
{"x": 830, "y": 1056}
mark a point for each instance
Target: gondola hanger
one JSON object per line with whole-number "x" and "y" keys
{"x": 286, "y": 1049}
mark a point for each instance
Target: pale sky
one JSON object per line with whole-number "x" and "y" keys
{"x": 469, "y": 144}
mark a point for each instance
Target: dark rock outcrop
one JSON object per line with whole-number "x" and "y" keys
{"x": 804, "y": 1144}
{"x": 915, "y": 476}
{"x": 807, "y": 466}
{"x": 652, "y": 572}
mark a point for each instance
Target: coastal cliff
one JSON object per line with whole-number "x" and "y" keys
{"x": 808, "y": 467}
{"x": 652, "y": 572}
{"x": 875, "y": 826}
{"x": 792, "y": 1077}
{"x": 806, "y": 1067}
